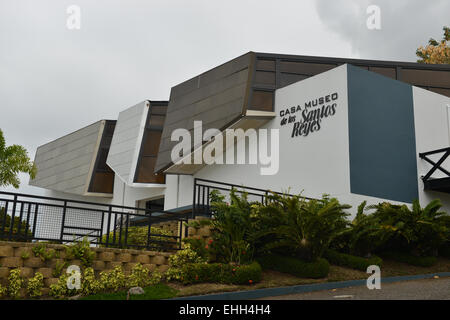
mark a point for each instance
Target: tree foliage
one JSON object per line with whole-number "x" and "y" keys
{"x": 436, "y": 52}
{"x": 13, "y": 160}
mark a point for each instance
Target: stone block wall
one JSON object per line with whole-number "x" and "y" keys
{"x": 20, "y": 255}
{"x": 203, "y": 232}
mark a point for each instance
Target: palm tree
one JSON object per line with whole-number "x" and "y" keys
{"x": 420, "y": 230}
{"x": 306, "y": 228}
{"x": 13, "y": 160}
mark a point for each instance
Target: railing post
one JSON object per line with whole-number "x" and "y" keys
{"x": 149, "y": 229}
{"x": 20, "y": 220}
{"x": 194, "y": 205}
{"x": 100, "y": 239}
{"x": 108, "y": 226}
{"x": 27, "y": 223}
{"x": 13, "y": 215}
{"x": 2, "y": 234}
{"x": 36, "y": 211}
{"x": 61, "y": 237}
{"x": 126, "y": 229}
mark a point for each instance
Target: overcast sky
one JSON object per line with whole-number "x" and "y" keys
{"x": 54, "y": 80}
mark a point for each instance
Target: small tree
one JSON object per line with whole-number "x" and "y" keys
{"x": 436, "y": 52}
{"x": 13, "y": 160}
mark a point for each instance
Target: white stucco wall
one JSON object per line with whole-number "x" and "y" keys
{"x": 431, "y": 117}
{"x": 315, "y": 164}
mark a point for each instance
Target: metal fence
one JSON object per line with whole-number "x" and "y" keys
{"x": 34, "y": 218}
{"x": 202, "y": 194}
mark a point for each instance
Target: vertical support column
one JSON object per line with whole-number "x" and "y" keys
{"x": 63, "y": 221}
{"x": 108, "y": 226}
{"x": 13, "y": 214}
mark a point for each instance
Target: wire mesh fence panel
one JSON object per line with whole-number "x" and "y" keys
{"x": 35, "y": 218}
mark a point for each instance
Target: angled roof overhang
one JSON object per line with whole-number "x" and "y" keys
{"x": 252, "y": 119}
{"x": 75, "y": 163}
{"x": 223, "y": 95}
{"x": 135, "y": 143}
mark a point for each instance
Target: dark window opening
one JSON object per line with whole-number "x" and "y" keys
{"x": 102, "y": 180}
{"x": 154, "y": 205}
{"x": 150, "y": 146}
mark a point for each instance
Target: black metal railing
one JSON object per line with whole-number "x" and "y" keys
{"x": 202, "y": 194}
{"x": 436, "y": 165}
{"x": 34, "y": 218}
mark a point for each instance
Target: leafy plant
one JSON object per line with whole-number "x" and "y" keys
{"x": 58, "y": 269}
{"x": 3, "y": 291}
{"x": 35, "y": 284}
{"x": 354, "y": 262}
{"x": 179, "y": 260}
{"x": 142, "y": 277}
{"x": 25, "y": 255}
{"x": 90, "y": 285}
{"x": 13, "y": 160}
{"x": 303, "y": 228}
{"x": 59, "y": 290}
{"x": 299, "y": 268}
{"x": 25, "y": 230}
{"x": 15, "y": 283}
{"x": 113, "y": 280}
{"x": 418, "y": 231}
{"x": 233, "y": 230}
{"x": 41, "y": 251}
{"x": 136, "y": 237}
{"x": 82, "y": 251}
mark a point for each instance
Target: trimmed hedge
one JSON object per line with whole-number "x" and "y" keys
{"x": 221, "y": 273}
{"x": 348, "y": 260}
{"x": 296, "y": 267}
{"x": 410, "y": 259}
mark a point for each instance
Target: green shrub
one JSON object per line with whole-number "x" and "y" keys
{"x": 41, "y": 251}
{"x": 354, "y": 262}
{"x": 417, "y": 231}
{"x": 113, "y": 280}
{"x": 59, "y": 266}
{"x": 59, "y": 290}
{"x": 142, "y": 277}
{"x": 179, "y": 260}
{"x": 15, "y": 283}
{"x": 3, "y": 291}
{"x": 82, "y": 251}
{"x": 247, "y": 274}
{"x": 201, "y": 247}
{"x": 136, "y": 237}
{"x": 411, "y": 259}
{"x": 34, "y": 285}
{"x": 294, "y": 266}
{"x": 90, "y": 285}
{"x": 221, "y": 273}
{"x": 303, "y": 228}
{"x": 24, "y": 228}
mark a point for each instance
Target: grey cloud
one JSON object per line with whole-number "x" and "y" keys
{"x": 405, "y": 25}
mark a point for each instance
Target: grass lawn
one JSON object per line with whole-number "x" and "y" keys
{"x": 158, "y": 291}
{"x": 272, "y": 279}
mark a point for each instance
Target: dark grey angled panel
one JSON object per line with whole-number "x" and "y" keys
{"x": 381, "y": 137}
{"x": 213, "y": 97}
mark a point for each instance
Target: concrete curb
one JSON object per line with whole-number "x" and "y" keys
{"x": 271, "y": 292}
